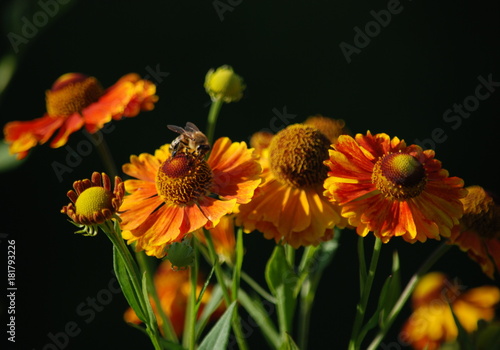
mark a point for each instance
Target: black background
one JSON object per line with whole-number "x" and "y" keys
{"x": 425, "y": 60}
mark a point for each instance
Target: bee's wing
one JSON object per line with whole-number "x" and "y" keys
{"x": 191, "y": 127}
{"x": 176, "y": 129}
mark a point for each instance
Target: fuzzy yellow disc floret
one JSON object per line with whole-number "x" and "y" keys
{"x": 93, "y": 200}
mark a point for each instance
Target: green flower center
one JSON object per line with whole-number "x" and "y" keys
{"x": 399, "y": 176}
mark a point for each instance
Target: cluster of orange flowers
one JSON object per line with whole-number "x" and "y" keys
{"x": 295, "y": 187}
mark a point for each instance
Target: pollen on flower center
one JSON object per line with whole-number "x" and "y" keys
{"x": 399, "y": 176}
{"x": 71, "y": 93}
{"x": 93, "y": 200}
{"x": 297, "y": 154}
{"x": 183, "y": 179}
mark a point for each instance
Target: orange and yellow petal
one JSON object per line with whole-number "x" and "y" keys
{"x": 235, "y": 169}
{"x": 71, "y": 124}
{"x": 478, "y": 233}
{"x": 432, "y": 322}
{"x": 392, "y": 190}
{"x": 76, "y": 100}
{"x": 24, "y": 135}
{"x": 173, "y": 196}
{"x": 126, "y": 98}
{"x": 299, "y": 216}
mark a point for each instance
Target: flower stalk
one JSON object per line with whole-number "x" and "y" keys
{"x": 355, "y": 342}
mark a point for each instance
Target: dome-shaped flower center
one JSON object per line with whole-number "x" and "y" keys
{"x": 481, "y": 213}
{"x": 297, "y": 154}
{"x": 71, "y": 93}
{"x": 399, "y": 176}
{"x": 183, "y": 179}
{"x": 93, "y": 200}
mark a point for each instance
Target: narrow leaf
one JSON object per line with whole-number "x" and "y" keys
{"x": 289, "y": 344}
{"x": 145, "y": 294}
{"x": 281, "y": 281}
{"x": 124, "y": 279}
{"x": 218, "y": 336}
{"x": 256, "y": 308}
{"x": 390, "y": 292}
{"x": 212, "y": 305}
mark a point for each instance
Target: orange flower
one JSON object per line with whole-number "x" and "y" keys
{"x": 173, "y": 288}
{"x": 432, "y": 323}
{"x": 174, "y": 196}
{"x": 392, "y": 189}
{"x": 93, "y": 202}
{"x": 479, "y": 231}
{"x": 291, "y": 205}
{"x": 76, "y": 100}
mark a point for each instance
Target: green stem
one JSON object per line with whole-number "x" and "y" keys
{"x": 189, "y": 337}
{"x": 290, "y": 255}
{"x": 168, "y": 329}
{"x": 306, "y": 301}
{"x": 227, "y": 297}
{"x": 105, "y": 154}
{"x": 354, "y": 343}
{"x": 405, "y": 295}
{"x": 213, "y": 114}
{"x": 133, "y": 270}
{"x": 257, "y": 288}
{"x": 362, "y": 264}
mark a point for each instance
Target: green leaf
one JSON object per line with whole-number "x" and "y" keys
{"x": 255, "y": 307}
{"x": 212, "y": 305}
{"x": 289, "y": 344}
{"x": 7, "y": 160}
{"x": 489, "y": 336}
{"x": 218, "y": 336}
{"x": 168, "y": 345}
{"x": 390, "y": 292}
{"x": 124, "y": 279}
{"x": 281, "y": 281}
{"x": 149, "y": 309}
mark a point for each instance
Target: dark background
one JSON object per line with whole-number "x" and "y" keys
{"x": 425, "y": 60}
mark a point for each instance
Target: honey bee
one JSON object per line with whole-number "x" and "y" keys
{"x": 191, "y": 140}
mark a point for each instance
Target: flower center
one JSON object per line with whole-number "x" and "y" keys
{"x": 93, "y": 200}
{"x": 297, "y": 154}
{"x": 183, "y": 179}
{"x": 71, "y": 93}
{"x": 481, "y": 213}
{"x": 399, "y": 176}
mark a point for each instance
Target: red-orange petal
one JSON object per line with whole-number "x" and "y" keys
{"x": 72, "y": 123}
{"x": 24, "y": 135}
